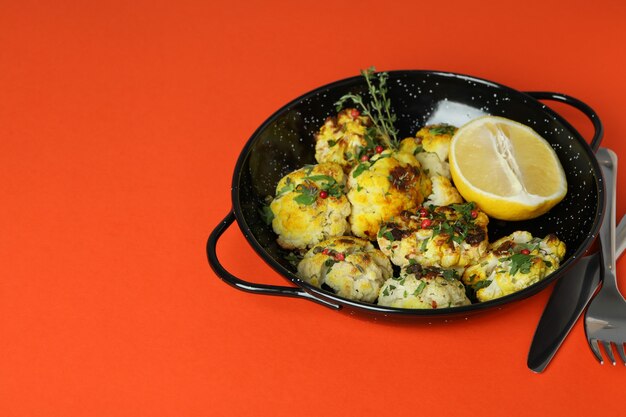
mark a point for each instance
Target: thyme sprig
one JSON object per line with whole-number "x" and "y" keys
{"x": 379, "y": 107}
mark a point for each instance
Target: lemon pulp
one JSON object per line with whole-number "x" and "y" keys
{"x": 507, "y": 168}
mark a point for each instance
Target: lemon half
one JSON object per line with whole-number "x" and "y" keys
{"x": 507, "y": 168}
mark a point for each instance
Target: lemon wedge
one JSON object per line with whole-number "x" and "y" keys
{"x": 507, "y": 168}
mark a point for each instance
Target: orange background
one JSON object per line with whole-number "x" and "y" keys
{"x": 120, "y": 125}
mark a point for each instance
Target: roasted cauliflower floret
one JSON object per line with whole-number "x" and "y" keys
{"x": 430, "y": 148}
{"x": 432, "y": 165}
{"x": 443, "y": 193}
{"x": 383, "y": 187}
{"x": 423, "y": 287}
{"x": 310, "y": 206}
{"x": 350, "y": 267}
{"x": 514, "y": 263}
{"x": 447, "y": 237}
{"x": 346, "y": 138}
{"x": 430, "y": 161}
{"x": 436, "y": 138}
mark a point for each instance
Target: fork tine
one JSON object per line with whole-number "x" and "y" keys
{"x": 609, "y": 351}
{"x": 622, "y": 353}
{"x": 593, "y": 344}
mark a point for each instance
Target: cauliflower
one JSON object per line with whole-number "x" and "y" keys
{"x": 448, "y": 236}
{"x": 436, "y": 138}
{"x": 513, "y": 263}
{"x": 443, "y": 192}
{"x": 383, "y": 187}
{"x": 432, "y": 165}
{"x": 423, "y": 287}
{"x": 430, "y": 161}
{"x": 345, "y": 139}
{"x": 310, "y": 206}
{"x": 430, "y": 147}
{"x": 351, "y": 267}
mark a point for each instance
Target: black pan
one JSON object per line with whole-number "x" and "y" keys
{"x": 284, "y": 142}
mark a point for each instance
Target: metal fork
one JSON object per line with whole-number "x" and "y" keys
{"x": 605, "y": 319}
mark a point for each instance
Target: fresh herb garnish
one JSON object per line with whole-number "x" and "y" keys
{"x": 465, "y": 209}
{"x": 520, "y": 263}
{"x": 379, "y": 108}
{"x": 310, "y": 189}
{"x": 266, "y": 214}
{"x": 442, "y": 129}
{"x": 530, "y": 246}
{"x": 386, "y": 233}
{"x": 481, "y": 284}
{"x": 308, "y": 194}
{"x": 326, "y": 178}
{"x": 449, "y": 274}
{"x": 363, "y": 166}
{"x": 293, "y": 259}
{"x": 329, "y": 264}
{"x": 308, "y": 168}
{"x": 458, "y": 228}
{"x": 288, "y": 187}
{"x": 420, "y": 288}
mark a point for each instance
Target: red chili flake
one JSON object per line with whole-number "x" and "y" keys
{"x": 365, "y": 158}
{"x": 474, "y": 214}
{"x": 325, "y": 251}
{"x": 323, "y": 194}
{"x": 433, "y": 304}
{"x": 426, "y": 223}
{"x": 379, "y": 149}
{"x": 423, "y": 212}
{"x": 355, "y": 113}
{"x": 340, "y": 256}
{"x": 525, "y": 252}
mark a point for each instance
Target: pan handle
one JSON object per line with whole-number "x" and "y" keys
{"x": 242, "y": 285}
{"x": 583, "y": 107}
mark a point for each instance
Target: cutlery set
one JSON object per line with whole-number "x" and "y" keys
{"x": 605, "y": 318}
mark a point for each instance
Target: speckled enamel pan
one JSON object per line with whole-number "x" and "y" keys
{"x": 284, "y": 142}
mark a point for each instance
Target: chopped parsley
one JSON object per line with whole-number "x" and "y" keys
{"x": 309, "y": 190}
{"x": 328, "y": 184}
{"x": 292, "y": 258}
{"x": 329, "y": 264}
{"x": 308, "y": 194}
{"x": 481, "y": 284}
{"x": 386, "y": 233}
{"x": 363, "y": 166}
{"x": 458, "y": 228}
{"x": 388, "y": 289}
{"x": 465, "y": 209}
{"x": 442, "y": 129}
{"x": 266, "y": 214}
{"x": 449, "y": 274}
{"x": 520, "y": 263}
{"x": 419, "y": 289}
{"x": 288, "y": 187}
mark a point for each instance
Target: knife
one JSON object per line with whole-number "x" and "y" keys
{"x": 570, "y": 296}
